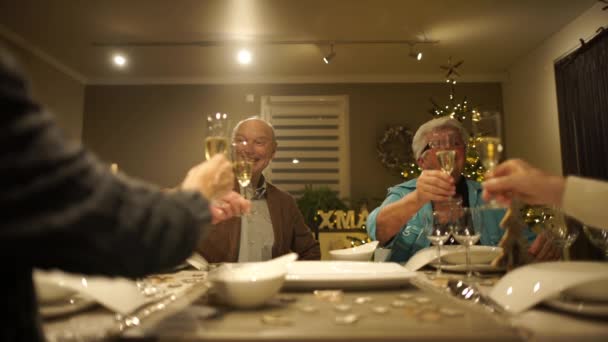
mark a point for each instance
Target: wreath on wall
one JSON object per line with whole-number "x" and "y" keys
{"x": 395, "y": 153}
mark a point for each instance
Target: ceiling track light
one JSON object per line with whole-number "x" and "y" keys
{"x": 417, "y": 54}
{"x": 253, "y": 42}
{"x": 327, "y": 59}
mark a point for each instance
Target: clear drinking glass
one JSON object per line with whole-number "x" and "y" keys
{"x": 243, "y": 167}
{"x": 437, "y": 230}
{"x": 487, "y": 132}
{"x": 467, "y": 231}
{"x": 444, "y": 143}
{"x": 598, "y": 237}
{"x": 446, "y": 160}
{"x": 560, "y": 232}
{"x": 217, "y": 134}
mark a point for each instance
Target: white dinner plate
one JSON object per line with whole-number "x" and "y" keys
{"x": 452, "y": 255}
{"x": 67, "y": 306}
{"x": 595, "y": 309}
{"x": 474, "y": 267}
{"x": 345, "y": 275}
{"x": 456, "y": 255}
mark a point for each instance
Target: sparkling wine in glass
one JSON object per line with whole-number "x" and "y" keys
{"x": 446, "y": 160}
{"x": 467, "y": 231}
{"x": 243, "y": 166}
{"x": 242, "y": 169}
{"x": 217, "y": 138}
{"x": 437, "y": 231}
{"x": 487, "y": 133}
{"x": 490, "y": 151}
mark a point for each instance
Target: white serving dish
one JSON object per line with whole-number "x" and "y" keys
{"x": 359, "y": 253}
{"x": 529, "y": 285}
{"x": 346, "y": 275}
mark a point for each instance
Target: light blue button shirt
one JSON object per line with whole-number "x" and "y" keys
{"x": 410, "y": 239}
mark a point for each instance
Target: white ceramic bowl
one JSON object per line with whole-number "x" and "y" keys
{"x": 50, "y": 287}
{"x": 359, "y": 253}
{"x": 250, "y": 284}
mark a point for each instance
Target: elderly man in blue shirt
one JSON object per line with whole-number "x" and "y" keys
{"x": 398, "y": 223}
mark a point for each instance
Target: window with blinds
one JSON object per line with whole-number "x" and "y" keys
{"x": 313, "y": 146}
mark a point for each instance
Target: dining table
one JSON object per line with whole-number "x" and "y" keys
{"x": 420, "y": 309}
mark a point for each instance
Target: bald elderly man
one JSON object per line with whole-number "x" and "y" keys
{"x": 275, "y": 225}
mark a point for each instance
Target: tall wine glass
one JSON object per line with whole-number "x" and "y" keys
{"x": 598, "y": 237}
{"x": 446, "y": 160}
{"x": 562, "y": 233}
{"x": 467, "y": 231}
{"x": 217, "y": 135}
{"x": 243, "y": 167}
{"x": 444, "y": 143}
{"x": 487, "y": 133}
{"x": 437, "y": 230}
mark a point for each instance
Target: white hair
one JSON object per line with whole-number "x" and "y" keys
{"x": 420, "y": 140}
{"x": 254, "y": 118}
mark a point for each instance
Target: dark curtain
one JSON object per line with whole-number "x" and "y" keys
{"x": 582, "y": 98}
{"x": 582, "y": 101}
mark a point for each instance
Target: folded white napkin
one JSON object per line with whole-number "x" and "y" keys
{"x": 117, "y": 294}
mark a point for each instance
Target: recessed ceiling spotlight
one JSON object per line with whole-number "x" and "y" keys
{"x": 119, "y": 60}
{"x": 244, "y": 56}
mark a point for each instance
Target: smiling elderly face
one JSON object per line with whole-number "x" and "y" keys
{"x": 256, "y": 140}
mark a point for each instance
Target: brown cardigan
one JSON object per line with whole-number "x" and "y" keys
{"x": 291, "y": 234}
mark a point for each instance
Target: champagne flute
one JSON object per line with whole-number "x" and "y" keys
{"x": 446, "y": 160}
{"x": 217, "y": 137}
{"x": 446, "y": 154}
{"x": 437, "y": 230}
{"x": 487, "y": 132}
{"x": 243, "y": 167}
{"x": 467, "y": 231}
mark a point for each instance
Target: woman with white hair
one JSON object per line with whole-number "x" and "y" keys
{"x": 397, "y": 223}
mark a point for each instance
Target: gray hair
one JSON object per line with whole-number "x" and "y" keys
{"x": 420, "y": 140}
{"x": 256, "y": 118}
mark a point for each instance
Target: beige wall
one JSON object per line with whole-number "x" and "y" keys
{"x": 60, "y": 93}
{"x": 156, "y": 132}
{"x": 530, "y": 101}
